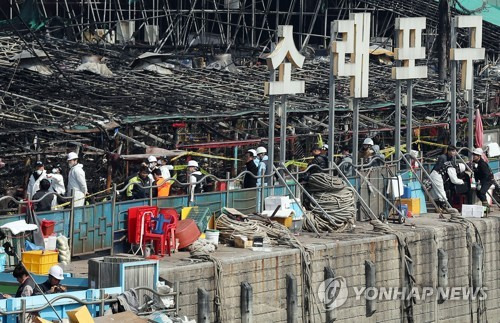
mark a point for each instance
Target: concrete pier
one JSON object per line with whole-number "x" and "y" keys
{"x": 346, "y": 254}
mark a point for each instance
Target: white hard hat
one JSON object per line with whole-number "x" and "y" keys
{"x": 152, "y": 159}
{"x": 478, "y": 151}
{"x": 461, "y": 167}
{"x": 253, "y": 151}
{"x": 72, "y": 155}
{"x": 193, "y": 163}
{"x": 261, "y": 150}
{"x": 368, "y": 141}
{"x": 325, "y": 147}
{"x": 56, "y": 272}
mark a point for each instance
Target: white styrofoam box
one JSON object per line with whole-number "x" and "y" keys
{"x": 50, "y": 242}
{"x": 472, "y": 211}
{"x": 272, "y": 202}
{"x": 280, "y": 214}
{"x": 493, "y": 149}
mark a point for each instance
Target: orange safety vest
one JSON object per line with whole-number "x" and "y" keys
{"x": 163, "y": 187}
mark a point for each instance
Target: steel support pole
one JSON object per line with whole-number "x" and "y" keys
{"x": 283, "y": 129}
{"x": 331, "y": 111}
{"x": 409, "y": 116}
{"x": 235, "y": 164}
{"x": 397, "y": 109}
{"x": 272, "y": 116}
{"x": 253, "y": 24}
{"x": 470, "y": 130}
{"x": 397, "y": 123}
{"x": 355, "y": 130}
{"x": 453, "y": 88}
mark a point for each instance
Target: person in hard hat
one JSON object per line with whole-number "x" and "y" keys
{"x": 319, "y": 163}
{"x": 152, "y": 165}
{"x": 250, "y": 181}
{"x": 262, "y": 169}
{"x": 196, "y": 179}
{"x": 57, "y": 184}
{"x": 137, "y": 185}
{"x": 165, "y": 167}
{"x": 27, "y": 286}
{"x": 483, "y": 175}
{"x": 162, "y": 188}
{"x": 346, "y": 161}
{"x": 34, "y": 182}
{"x": 366, "y": 151}
{"x": 46, "y": 199}
{"x": 448, "y": 156}
{"x": 53, "y": 283}
{"x": 324, "y": 150}
{"x": 195, "y": 176}
{"x": 57, "y": 180}
{"x": 77, "y": 184}
{"x": 439, "y": 179}
{"x": 370, "y": 153}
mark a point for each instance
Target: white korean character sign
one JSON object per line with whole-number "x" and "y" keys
{"x": 355, "y": 42}
{"x": 409, "y": 33}
{"x": 474, "y": 52}
{"x": 285, "y": 49}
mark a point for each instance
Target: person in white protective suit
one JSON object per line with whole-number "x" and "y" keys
{"x": 57, "y": 184}
{"x": 164, "y": 167}
{"x": 448, "y": 172}
{"x": 76, "y": 180}
{"x": 34, "y": 182}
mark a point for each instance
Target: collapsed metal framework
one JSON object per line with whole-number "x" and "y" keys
{"x": 231, "y": 24}
{"x": 44, "y": 116}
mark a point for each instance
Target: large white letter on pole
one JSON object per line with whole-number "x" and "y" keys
{"x": 468, "y": 55}
{"x": 355, "y": 42}
{"x": 285, "y": 49}
{"x": 409, "y": 33}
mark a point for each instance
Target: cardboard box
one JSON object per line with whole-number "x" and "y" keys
{"x": 472, "y": 211}
{"x": 80, "y": 315}
{"x": 124, "y": 317}
{"x": 413, "y": 205}
{"x": 242, "y": 242}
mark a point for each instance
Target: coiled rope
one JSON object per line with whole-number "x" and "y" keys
{"x": 335, "y": 199}
{"x": 278, "y": 234}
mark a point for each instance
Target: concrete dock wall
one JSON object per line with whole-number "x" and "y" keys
{"x": 346, "y": 255}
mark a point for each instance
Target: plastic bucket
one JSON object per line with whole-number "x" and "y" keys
{"x": 48, "y": 227}
{"x": 212, "y": 236}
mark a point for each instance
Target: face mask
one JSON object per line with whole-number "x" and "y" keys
{"x": 39, "y": 172}
{"x": 55, "y": 171}
{"x": 151, "y": 165}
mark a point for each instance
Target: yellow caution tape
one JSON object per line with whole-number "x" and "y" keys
{"x": 87, "y": 196}
{"x": 192, "y": 153}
